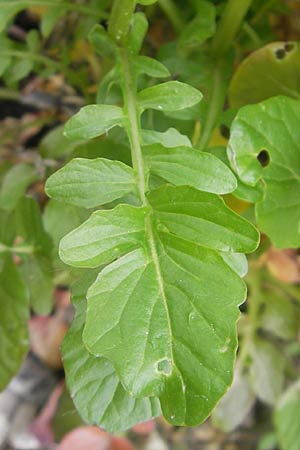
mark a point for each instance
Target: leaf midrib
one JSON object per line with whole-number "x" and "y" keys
{"x": 135, "y": 138}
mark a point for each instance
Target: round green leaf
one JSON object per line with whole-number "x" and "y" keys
{"x": 272, "y": 70}
{"x": 265, "y": 145}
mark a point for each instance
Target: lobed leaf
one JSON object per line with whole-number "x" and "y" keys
{"x": 167, "y": 298}
{"x": 91, "y": 182}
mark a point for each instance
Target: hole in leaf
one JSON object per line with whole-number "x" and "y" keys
{"x": 164, "y": 366}
{"x": 288, "y": 47}
{"x": 280, "y": 53}
{"x": 263, "y": 158}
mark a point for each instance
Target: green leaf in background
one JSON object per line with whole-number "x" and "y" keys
{"x": 102, "y": 42}
{"x": 139, "y": 27}
{"x": 287, "y": 418}
{"x": 236, "y": 404}
{"x": 56, "y": 145}
{"x": 15, "y": 183}
{"x": 7, "y": 229}
{"x": 13, "y": 321}
{"x": 60, "y": 218}
{"x": 49, "y": 19}
{"x": 36, "y": 266}
{"x": 102, "y": 401}
{"x": 269, "y": 71}
{"x": 93, "y": 120}
{"x": 267, "y": 370}
{"x": 91, "y": 182}
{"x": 202, "y": 27}
{"x": 169, "y": 96}
{"x": 265, "y": 145}
{"x": 190, "y": 296}
{"x": 20, "y": 69}
{"x": 279, "y": 316}
{"x": 8, "y": 9}
{"x": 185, "y": 165}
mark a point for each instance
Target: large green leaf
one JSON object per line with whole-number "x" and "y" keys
{"x": 13, "y": 321}
{"x": 182, "y": 165}
{"x": 166, "y": 309}
{"x": 102, "y": 400}
{"x": 91, "y": 182}
{"x": 269, "y": 132}
{"x": 269, "y": 71}
{"x": 287, "y": 418}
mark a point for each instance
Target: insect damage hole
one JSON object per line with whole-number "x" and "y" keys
{"x": 263, "y": 158}
{"x": 164, "y": 366}
{"x": 280, "y": 53}
{"x": 289, "y": 46}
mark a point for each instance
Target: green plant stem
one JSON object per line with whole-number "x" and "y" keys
{"x": 120, "y": 18}
{"x": 84, "y": 9}
{"x": 173, "y": 14}
{"x": 18, "y": 250}
{"x": 135, "y": 139}
{"x": 252, "y": 34}
{"x": 229, "y": 25}
{"x": 129, "y": 88}
{"x": 134, "y": 123}
{"x": 218, "y": 93}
